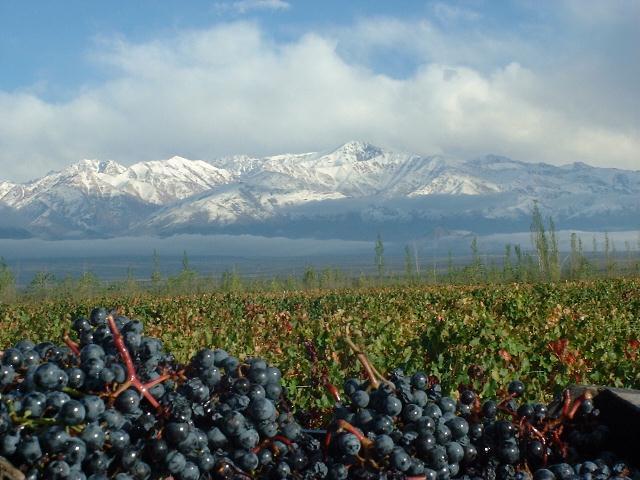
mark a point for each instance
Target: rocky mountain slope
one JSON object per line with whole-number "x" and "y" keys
{"x": 349, "y": 192}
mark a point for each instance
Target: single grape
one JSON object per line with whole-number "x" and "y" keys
{"x": 13, "y": 357}
{"x": 516, "y": 388}
{"x": 72, "y": 413}
{"x": 128, "y": 401}
{"x": 400, "y": 459}
{"x": 93, "y": 436}
{"x": 175, "y": 462}
{"x": 349, "y": 444}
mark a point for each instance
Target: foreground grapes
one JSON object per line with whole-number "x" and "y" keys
{"x": 116, "y": 405}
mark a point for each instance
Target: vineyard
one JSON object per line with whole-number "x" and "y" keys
{"x": 547, "y": 335}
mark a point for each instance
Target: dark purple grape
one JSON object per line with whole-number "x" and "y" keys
{"x": 13, "y": 357}
{"x": 543, "y": 474}
{"x": 411, "y": 413}
{"x": 189, "y": 472}
{"x": 9, "y": 443}
{"x": 360, "y": 399}
{"x": 128, "y": 401}
{"x": 96, "y": 462}
{"x": 29, "y": 449}
{"x": 72, "y": 413}
{"x": 447, "y": 405}
{"x": 467, "y": 397}
{"x": 509, "y": 454}
{"x": 98, "y": 317}
{"x": 400, "y": 459}
{"x": 516, "y": 388}
{"x": 489, "y": 409}
{"x": 75, "y": 451}
{"x": 349, "y": 444}
{"x": 455, "y": 452}
{"x": 57, "y": 469}
{"x": 55, "y": 439}
{"x": 7, "y": 375}
{"x": 93, "y": 436}
{"x": 34, "y": 403}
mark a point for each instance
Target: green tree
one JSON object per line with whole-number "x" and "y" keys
{"x": 7, "y": 282}
{"x": 379, "y": 249}
{"x": 185, "y": 261}
{"x": 545, "y": 243}
{"x": 41, "y": 284}
{"x": 450, "y": 270}
{"x": 507, "y": 266}
{"x": 519, "y": 271}
{"x": 231, "y": 281}
{"x": 186, "y": 281}
{"x": 88, "y": 285}
{"x": 609, "y": 255}
{"x": 477, "y": 268}
{"x": 574, "y": 259}
{"x": 310, "y": 277}
{"x": 128, "y": 286}
{"x": 408, "y": 263}
{"x": 554, "y": 255}
{"x": 156, "y": 275}
{"x": 540, "y": 241}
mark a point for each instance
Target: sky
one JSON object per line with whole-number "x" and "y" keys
{"x": 542, "y": 81}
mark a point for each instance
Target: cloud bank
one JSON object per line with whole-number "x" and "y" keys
{"x": 241, "y": 7}
{"x": 233, "y": 88}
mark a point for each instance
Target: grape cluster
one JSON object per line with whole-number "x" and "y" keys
{"x": 406, "y": 428}
{"x": 115, "y": 404}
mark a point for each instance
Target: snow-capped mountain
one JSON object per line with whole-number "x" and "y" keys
{"x": 348, "y": 192}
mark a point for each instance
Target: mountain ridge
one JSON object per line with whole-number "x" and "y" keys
{"x": 313, "y": 193}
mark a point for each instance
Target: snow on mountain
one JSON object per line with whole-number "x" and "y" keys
{"x": 160, "y": 182}
{"x": 357, "y": 184}
{"x": 232, "y": 204}
{"x": 103, "y": 197}
{"x": 5, "y": 187}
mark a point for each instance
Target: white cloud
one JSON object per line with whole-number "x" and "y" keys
{"x": 231, "y": 89}
{"x": 241, "y": 7}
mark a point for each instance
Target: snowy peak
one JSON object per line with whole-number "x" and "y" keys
{"x": 358, "y": 184}
{"x": 89, "y": 167}
{"x": 356, "y": 152}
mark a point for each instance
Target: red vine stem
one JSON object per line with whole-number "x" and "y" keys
{"x": 75, "y": 348}
{"x": 364, "y": 361}
{"x": 566, "y": 403}
{"x": 327, "y": 442}
{"x": 333, "y": 391}
{"x": 133, "y": 379}
{"x": 344, "y": 425}
{"x": 577, "y": 403}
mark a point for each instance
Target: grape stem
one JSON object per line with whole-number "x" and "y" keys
{"x": 333, "y": 391}
{"x": 373, "y": 375}
{"x": 327, "y": 443}
{"x": 577, "y": 403}
{"x": 344, "y": 425}
{"x": 133, "y": 380}
{"x": 566, "y": 404}
{"x": 75, "y": 348}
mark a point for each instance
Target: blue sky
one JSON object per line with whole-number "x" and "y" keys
{"x": 547, "y": 81}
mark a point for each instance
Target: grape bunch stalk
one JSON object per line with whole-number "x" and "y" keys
{"x": 112, "y": 403}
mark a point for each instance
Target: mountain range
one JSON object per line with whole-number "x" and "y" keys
{"x": 352, "y": 192}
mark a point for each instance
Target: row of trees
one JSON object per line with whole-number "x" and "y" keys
{"x": 543, "y": 263}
